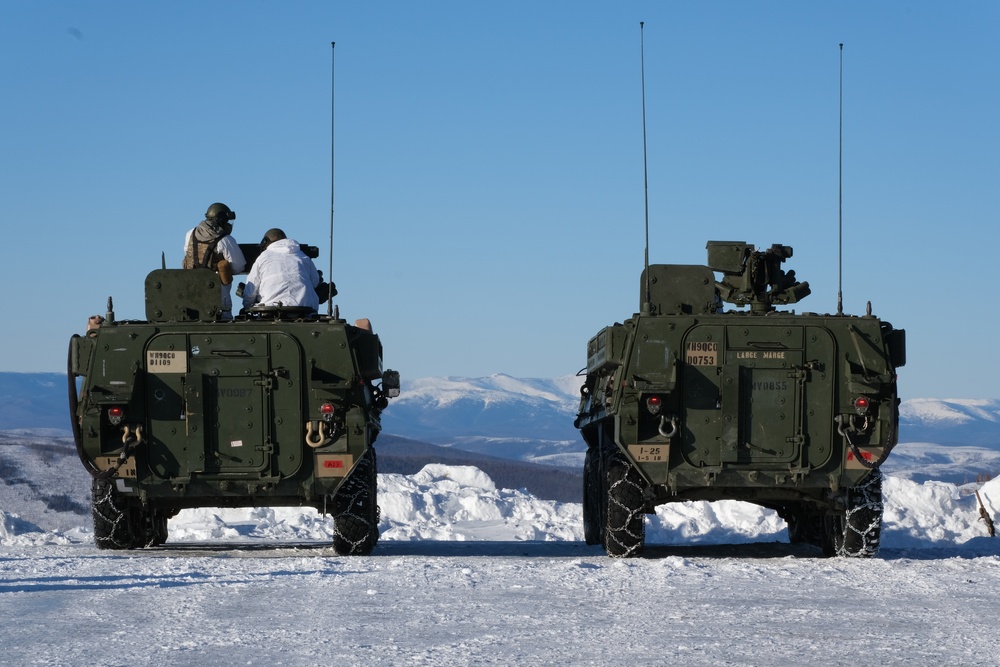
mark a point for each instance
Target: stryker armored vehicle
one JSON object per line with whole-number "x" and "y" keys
{"x": 689, "y": 401}
{"x": 279, "y": 407}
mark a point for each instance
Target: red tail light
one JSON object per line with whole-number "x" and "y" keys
{"x": 653, "y": 404}
{"x": 115, "y": 414}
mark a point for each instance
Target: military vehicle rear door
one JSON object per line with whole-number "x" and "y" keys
{"x": 214, "y": 410}
{"x": 758, "y": 396}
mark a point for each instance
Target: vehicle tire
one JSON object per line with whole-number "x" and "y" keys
{"x": 156, "y": 529}
{"x": 592, "y": 490}
{"x": 355, "y": 509}
{"x": 116, "y": 524}
{"x": 805, "y": 525}
{"x": 859, "y": 532}
{"x": 625, "y": 527}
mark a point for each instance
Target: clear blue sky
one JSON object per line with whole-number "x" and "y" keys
{"x": 489, "y": 183}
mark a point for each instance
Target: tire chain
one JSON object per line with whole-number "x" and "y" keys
{"x": 869, "y": 535}
{"x": 630, "y": 487}
{"x": 106, "y": 509}
{"x": 354, "y": 532}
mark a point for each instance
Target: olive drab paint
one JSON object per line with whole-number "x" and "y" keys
{"x": 276, "y": 408}
{"x": 686, "y": 400}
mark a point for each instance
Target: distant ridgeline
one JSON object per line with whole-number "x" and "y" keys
{"x": 34, "y": 400}
{"x": 953, "y": 422}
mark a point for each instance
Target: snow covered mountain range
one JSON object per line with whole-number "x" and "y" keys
{"x": 527, "y": 419}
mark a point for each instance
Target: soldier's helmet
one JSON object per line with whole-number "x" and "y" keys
{"x": 219, "y": 212}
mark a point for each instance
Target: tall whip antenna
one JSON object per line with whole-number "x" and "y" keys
{"x": 840, "y": 196}
{"x": 645, "y": 174}
{"x": 333, "y": 78}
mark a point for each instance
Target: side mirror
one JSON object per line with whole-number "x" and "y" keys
{"x": 390, "y": 383}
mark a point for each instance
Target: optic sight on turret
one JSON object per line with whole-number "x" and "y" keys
{"x": 754, "y": 277}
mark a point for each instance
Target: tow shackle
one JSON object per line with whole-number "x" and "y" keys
{"x": 662, "y": 427}
{"x": 318, "y": 435}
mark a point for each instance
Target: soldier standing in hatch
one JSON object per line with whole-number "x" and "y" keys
{"x": 210, "y": 245}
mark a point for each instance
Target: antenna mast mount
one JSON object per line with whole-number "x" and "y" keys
{"x": 840, "y": 195}
{"x": 646, "y": 307}
{"x": 333, "y": 62}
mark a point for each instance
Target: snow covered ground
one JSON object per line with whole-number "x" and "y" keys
{"x": 468, "y": 574}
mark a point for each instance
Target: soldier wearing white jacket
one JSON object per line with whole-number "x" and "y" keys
{"x": 282, "y": 275}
